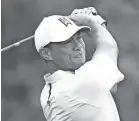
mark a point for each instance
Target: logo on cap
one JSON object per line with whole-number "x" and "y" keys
{"x": 65, "y": 21}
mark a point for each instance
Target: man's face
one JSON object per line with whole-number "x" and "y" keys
{"x": 70, "y": 54}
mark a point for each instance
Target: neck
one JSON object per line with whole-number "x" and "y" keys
{"x": 53, "y": 68}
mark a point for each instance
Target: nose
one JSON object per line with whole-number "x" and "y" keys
{"x": 77, "y": 45}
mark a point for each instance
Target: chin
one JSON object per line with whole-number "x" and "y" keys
{"x": 73, "y": 64}
{"x": 76, "y": 66}
{"x": 73, "y": 67}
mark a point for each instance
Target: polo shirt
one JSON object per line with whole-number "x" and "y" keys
{"x": 83, "y": 95}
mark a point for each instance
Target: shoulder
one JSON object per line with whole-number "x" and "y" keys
{"x": 101, "y": 63}
{"x": 98, "y": 66}
{"x": 101, "y": 70}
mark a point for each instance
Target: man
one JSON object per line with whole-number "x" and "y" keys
{"x": 77, "y": 90}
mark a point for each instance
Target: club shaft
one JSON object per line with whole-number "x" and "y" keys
{"x": 16, "y": 44}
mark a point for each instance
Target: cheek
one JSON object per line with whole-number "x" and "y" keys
{"x": 66, "y": 49}
{"x": 62, "y": 53}
{"x": 62, "y": 58}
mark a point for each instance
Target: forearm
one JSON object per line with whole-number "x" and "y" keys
{"x": 105, "y": 43}
{"x": 102, "y": 36}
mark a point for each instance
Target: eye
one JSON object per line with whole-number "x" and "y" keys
{"x": 80, "y": 36}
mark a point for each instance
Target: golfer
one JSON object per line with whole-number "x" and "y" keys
{"x": 77, "y": 90}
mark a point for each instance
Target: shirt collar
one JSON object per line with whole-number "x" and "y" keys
{"x": 52, "y": 78}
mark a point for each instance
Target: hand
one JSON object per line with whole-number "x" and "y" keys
{"x": 89, "y": 10}
{"x": 85, "y": 16}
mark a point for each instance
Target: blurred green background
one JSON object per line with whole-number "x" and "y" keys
{"x": 23, "y": 69}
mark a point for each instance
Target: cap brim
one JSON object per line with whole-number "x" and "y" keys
{"x": 66, "y": 37}
{"x": 84, "y": 28}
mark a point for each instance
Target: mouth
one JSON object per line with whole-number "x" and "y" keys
{"x": 80, "y": 55}
{"x": 78, "y": 58}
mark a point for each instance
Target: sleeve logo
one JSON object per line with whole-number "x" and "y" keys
{"x": 65, "y": 21}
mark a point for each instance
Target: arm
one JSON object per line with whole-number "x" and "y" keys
{"x": 101, "y": 73}
{"x": 105, "y": 57}
{"x": 105, "y": 43}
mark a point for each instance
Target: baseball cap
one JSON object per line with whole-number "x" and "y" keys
{"x": 56, "y": 28}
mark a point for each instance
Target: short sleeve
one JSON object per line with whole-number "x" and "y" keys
{"x": 97, "y": 77}
{"x": 101, "y": 70}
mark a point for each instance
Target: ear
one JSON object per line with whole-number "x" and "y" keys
{"x": 45, "y": 53}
